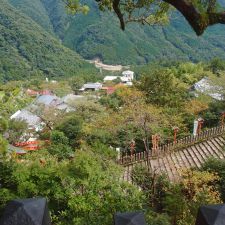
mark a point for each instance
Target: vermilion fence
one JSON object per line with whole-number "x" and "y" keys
{"x": 21, "y": 144}
{"x": 30, "y": 145}
{"x": 173, "y": 146}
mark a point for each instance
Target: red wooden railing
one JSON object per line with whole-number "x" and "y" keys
{"x": 30, "y": 145}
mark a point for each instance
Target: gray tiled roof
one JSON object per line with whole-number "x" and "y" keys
{"x": 65, "y": 107}
{"x": 71, "y": 97}
{"x": 92, "y": 86}
{"x": 27, "y": 116}
{"x": 48, "y": 100}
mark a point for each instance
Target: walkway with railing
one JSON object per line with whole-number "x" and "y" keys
{"x": 173, "y": 146}
{"x": 187, "y": 152}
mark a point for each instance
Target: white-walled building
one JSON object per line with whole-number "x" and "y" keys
{"x": 110, "y": 78}
{"x": 126, "y": 78}
{"x": 128, "y": 74}
{"x": 91, "y": 87}
{"x": 33, "y": 121}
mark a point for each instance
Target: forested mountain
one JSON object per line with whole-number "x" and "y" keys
{"x": 26, "y": 49}
{"x": 98, "y": 35}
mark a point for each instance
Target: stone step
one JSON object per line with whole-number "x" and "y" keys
{"x": 208, "y": 149}
{"x": 167, "y": 168}
{"x": 189, "y": 158}
{"x": 220, "y": 148}
{"x": 197, "y": 162}
{"x": 197, "y": 151}
{"x": 215, "y": 149}
{"x": 172, "y": 166}
{"x": 222, "y": 139}
{"x": 183, "y": 158}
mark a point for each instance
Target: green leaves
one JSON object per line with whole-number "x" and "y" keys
{"x": 162, "y": 88}
{"x": 74, "y": 6}
{"x": 34, "y": 52}
{"x": 3, "y": 125}
{"x": 85, "y": 190}
{"x": 3, "y": 146}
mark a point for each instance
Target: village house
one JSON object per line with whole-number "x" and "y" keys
{"x": 28, "y": 115}
{"x": 126, "y": 78}
{"x": 52, "y": 101}
{"x": 110, "y": 78}
{"x": 91, "y": 87}
{"x": 33, "y": 121}
{"x": 48, "y": 100}
{"x": 129, "y": 74}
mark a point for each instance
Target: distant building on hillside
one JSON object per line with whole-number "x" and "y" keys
{"x": 126, "y": 78}
{"x": 53, "y": 101}
{"x": 129, "y": 74}
{"x": 110, "y": 78}
{"x": 91, "y": 87}
{"x": 31, "y": 92}
{"x": 48, "y": 100}
{"x": 33, "y": 121}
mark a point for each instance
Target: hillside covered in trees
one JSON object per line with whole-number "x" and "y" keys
{"x": 98, "y": 34}
{"x": 26, "y": 49}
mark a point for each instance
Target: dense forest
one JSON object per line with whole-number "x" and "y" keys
{"x": 100, "y": 35}
{"x": 27, "y": 50}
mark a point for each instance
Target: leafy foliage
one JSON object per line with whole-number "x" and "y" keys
{"x": 59, "y": 146}
{"x": 217, "y": 166}
{"x": 179, "y": 200}
{"x": 162, "y": 89}
{"x": 79, "y": 191}
{"x": 71, "y": 128}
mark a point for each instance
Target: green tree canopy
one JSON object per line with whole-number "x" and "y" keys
{"x": 85, "y": 190}
{"x": 162, "y": 89}
{"x": 3, "y": 125}
{"x": 71, "y": 126}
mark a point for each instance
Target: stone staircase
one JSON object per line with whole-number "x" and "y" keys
{"x": 173, "y": 162}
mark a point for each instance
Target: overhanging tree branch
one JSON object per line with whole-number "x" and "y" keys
{"x": 117, "y": 10}
{"x": 198, "y": 21}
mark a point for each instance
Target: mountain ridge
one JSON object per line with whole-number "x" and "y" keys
{"x": 98, "y": 35}
{"x": 27, "y": 50}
